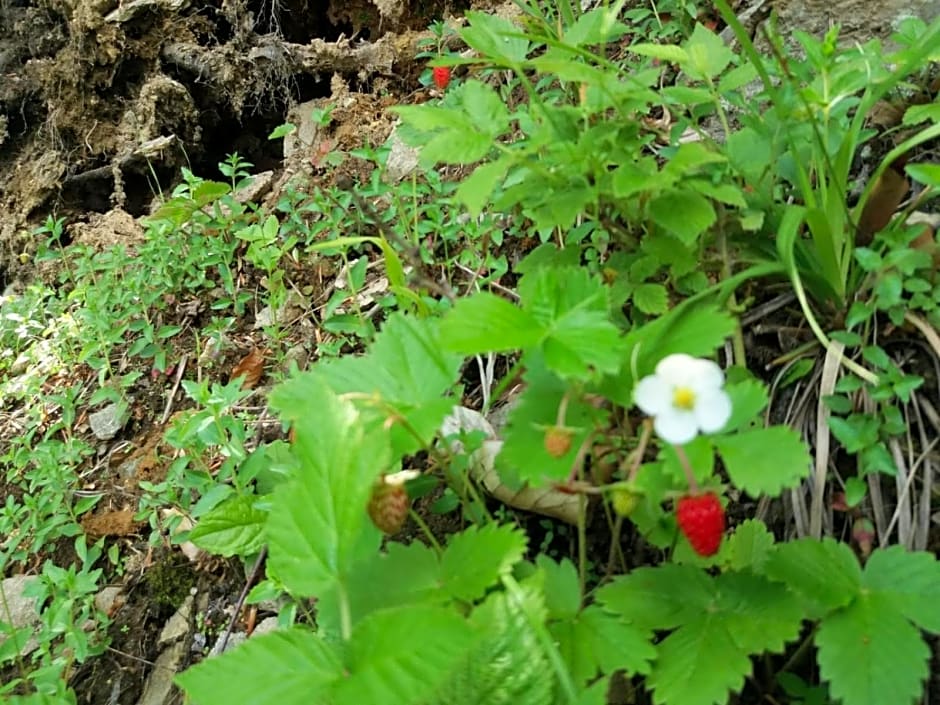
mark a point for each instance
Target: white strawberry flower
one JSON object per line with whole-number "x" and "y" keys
{"x": 685, "y": 397}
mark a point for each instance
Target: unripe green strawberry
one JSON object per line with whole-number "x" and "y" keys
{"x": 557, "y": 441}
{"x": 625, "y": 501}
{"x": 702, "y": 520}
{"x": 388, "y": 505}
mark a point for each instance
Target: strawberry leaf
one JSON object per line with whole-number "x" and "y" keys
{"x": 871, "y": 654}
{"x": 318, "y": 528}
{"x": 293, "y": 667}
{"x": 475, "y": 559}
{"x": 405, "y": 372}
{"x": 596, "y": 641}
{"x": 823, "y": 573}
{"x": 719, "y": 624}
{"x": 764, "y": 460}
{"x": 401, "y": 656}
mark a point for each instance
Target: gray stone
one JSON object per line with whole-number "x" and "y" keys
{"x": 159, "y": 688}
{"x": 402, "y": 159}
{"x": 108, "y": 598}
{"x": 106, "y": 422}
{"x": 177, "y": 626}
{"x": 22, "y": 608}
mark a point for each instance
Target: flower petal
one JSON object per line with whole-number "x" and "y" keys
{"x": 677, "y": 369}
{"x": 712, "y": 410}
{"x": 708, "y": 376}
{"x": 676, "y": 426}
{"x": 653, "y": 395}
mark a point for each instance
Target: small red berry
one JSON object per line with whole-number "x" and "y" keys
{"x": 441, "y": 76}
{"x": 557, "y": 441}
{"x": 702, "y": 520}
{"x": 388, "y": 505}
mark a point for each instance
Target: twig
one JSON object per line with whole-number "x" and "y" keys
{"x": 255, "y": 571}
{"x": 180, "y": 369}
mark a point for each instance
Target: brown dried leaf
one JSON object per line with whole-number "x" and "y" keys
{"x": 250, "y": 368}
{"x": 883, "y": 202}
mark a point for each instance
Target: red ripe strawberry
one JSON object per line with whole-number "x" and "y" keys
{"x": 388, "y": 505}
{"x": 702, "y": 520}
{"x": 441, "y": 76}
{"x": 557, "y": 441}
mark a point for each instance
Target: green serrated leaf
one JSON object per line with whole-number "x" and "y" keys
{"x": 293, "y": 667}
{"x": 234, "y": 527}
{"x": 910, "y": 581}
{"x": 401, "y": 656}
{"x": 318, "y": 527}
{"x": 409, "y": 575}
{"x": 651, "y": 298}
{"x": 474, "y": 191}
{"x": 764, "y": 460}
{"x": 871, "y": 654}
{"x": 508, "y": 666}
{"x": 685, "y": 214}
{"x": 749, "y": 547}
{"x": 486, "y": 323}
{"x": 658, "y": 598}
{"x": 708, "y": 54}
{"x": 824, "y": 573}
{"x": 562, "y": 591}
{"x": 596, "y": 641}
{"x": 748, "y": 399}
{"x": 476, "y": 558}
{"x": 408, "y": 371}
{"x": 496, "y": 38}
{"x": 664, "y": 52}
{"x": 709, "y": 655}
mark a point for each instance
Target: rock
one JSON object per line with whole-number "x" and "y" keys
{"x": 22, "y": 608}
{"x": 109, "y": 599}
{"x": 159, "y": 688}
{"x": 267, "y": 625}
{"x": 307, "y": 130}
{"x": 106, "y": 422}
{"x": 860, "y": 20}
{"x": 402, "y": 159}
{"x": 177, "y": 626}
{"x": 234, "y": 639}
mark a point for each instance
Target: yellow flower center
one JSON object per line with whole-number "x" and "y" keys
{"x": 683, "y": 398}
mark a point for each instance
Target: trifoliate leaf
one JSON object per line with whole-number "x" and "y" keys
{"x": 871, "y": 654}
{"x": 764, "y": 460}
{"x": 293, "y": 667}
{"x": 704, "y": 660}
{"x": 582, "y": 343}
{"x": 476, "y": 558}
{"x": 318, "y": 527}
{"x": 824, "y": 573}
{"x": 401, "y": 656}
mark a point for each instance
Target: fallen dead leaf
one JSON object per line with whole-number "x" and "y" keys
{"x": 250, "y": 368}
{"x": 882, "y": 204}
